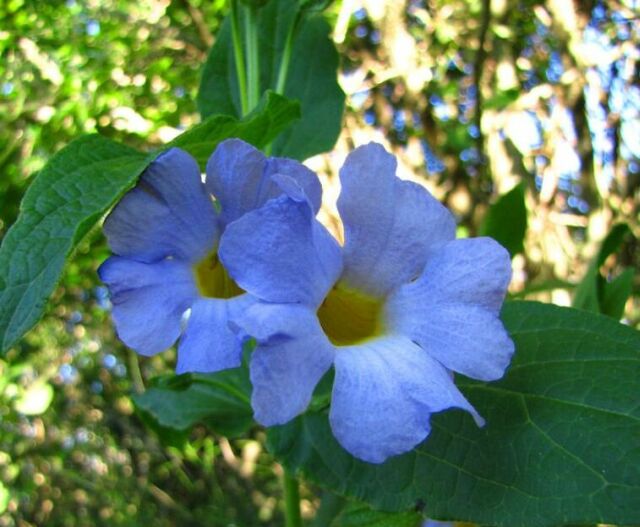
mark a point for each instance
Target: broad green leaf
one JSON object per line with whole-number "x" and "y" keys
{"x": 561, "y": 445}
{"x": 311, "y": 79}
{"x": 274, "y": 114}
{"x": 506, "y": 220}
{"x": 77, "y": 186}
{"x": 595, "y": 293}
{"x": 360, "y": 515}
{"x": 65, "y": 200}
{"x": 220, "y": 400}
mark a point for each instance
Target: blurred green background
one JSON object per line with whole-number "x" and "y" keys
{"x": 549, "y": 106}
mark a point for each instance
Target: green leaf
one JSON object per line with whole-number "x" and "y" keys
{"x": 311, "y": 79}
{"x": 77, "y": 186}
{"x": 314, "y": 5}
{"x": 506, "y": 220}
{"x": 561, "y": 445}
{"x": 254, "y": 3}
{"x": 273, "y": 115}
{"x": 594, "y": 292}
{"x": 220, "y": 400}
{"x": 5, "y": 497}
{"x": 66, "y": 198}
{"x": 616, "y": 293}
{"x": 501, "y": 99}
{"x": 360, "y": 515}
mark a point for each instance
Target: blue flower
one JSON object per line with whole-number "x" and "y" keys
{"x": 165, "y": 234}
{"x": 395, "y": 311}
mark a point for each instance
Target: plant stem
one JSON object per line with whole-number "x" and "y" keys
{"x": 291, "y": 501}
{"x": 283, "y": 68}
{"x": 253, "y": 64}
{"x": 286, "y": 57}
{"x": 136, "y": 374}
{"x": 238, "y": 54}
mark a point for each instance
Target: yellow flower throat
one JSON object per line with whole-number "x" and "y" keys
{"x": 349, "y": 317}
{"x": 212, "y": 278}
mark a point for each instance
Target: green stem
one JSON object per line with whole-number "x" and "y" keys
{"x": 238, "y": 54}
{"x": 253, "y": 63}
{"x": 291, "y": 501}
{"x": 283, "y": 70}
{"x": 136, "y": 374}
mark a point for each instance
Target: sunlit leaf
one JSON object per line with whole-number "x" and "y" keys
{"x": 35, "y": 400}
{"x": 4, "y": 498}
{"x": 74, "y": 190}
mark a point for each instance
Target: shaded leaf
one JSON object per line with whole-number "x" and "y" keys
{"x": 616, "y": 293}
{"x": 219, "y": 400}
{"x": 360, "y": 515}
{"x": 311, "y": 79}
{"x": 506, "y": 220}
{"x": 594, "y": 293}
{"x": 274, "y": 114}
{"x": 561, "y": 444}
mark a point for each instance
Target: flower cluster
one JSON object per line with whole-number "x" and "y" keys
{"x": 394, "y": 311}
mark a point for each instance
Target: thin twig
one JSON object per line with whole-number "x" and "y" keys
{"x": 481, "y": 55}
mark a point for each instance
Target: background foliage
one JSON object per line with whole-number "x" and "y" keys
{"x": 521, "y": 115}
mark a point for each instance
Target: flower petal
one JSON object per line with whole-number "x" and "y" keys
{"x": 169, "y": 213}
{"x": 389, "y": 224}
{"x": 208, "y": 343}
{"x": 305, "y": 177}
{"x": 240, "y": 177}
{"x": 452, "y": 309}
{"x": 291, "y": 357}
{"x": 383, "y": 394}
{"x": 148, "y": 301}
{"x": 280, "y": 253}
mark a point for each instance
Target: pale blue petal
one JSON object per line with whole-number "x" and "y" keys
{"x": 240, "y": 177}
{"x": 452, "y": 309}
{"x": 390, "y": 225}
{"x": 280, "y": 253}
{"x": 168, "y": 213}
{"x": 304, "y": 176}
{"x": 291, "y": 356}
{"x": 148, "y": 301}
{"x": 383, "y": 395}
{"x": 208, "y": 343}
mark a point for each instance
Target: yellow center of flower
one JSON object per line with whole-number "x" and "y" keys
{"x": 212, "y": 278}
{"x": 350, "y": 317}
